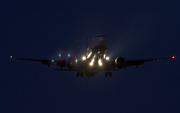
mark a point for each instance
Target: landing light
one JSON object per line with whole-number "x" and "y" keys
{"x": 104, "y": 55}
{"x": 52, "y": 60}
{"x": 100, "y": 63}
{"x": 10, "y": 56}
{"x": 173, "y": 57}
{"x": 107, "y": 58}
{"x": 59, "y": 55}
{"x": 84, "y": 58}
{"x": 91, "y": 63}
{"x": 89, "y": 55}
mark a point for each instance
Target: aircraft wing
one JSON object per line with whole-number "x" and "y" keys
{"x": 140, "y": 62}
{"x": 61, "y": 63}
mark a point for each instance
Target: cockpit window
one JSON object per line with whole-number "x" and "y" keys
{"x": 99, "y": 36}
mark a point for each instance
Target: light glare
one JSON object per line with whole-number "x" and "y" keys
{"x": 107, "y": 58}
{"x": 89, "y": 55}
{"x": 52, "y": 60}
{"x": 104, "y": 55}
{"x": 91, "y": 63}
{"x": 84, "y": 58}
{"x": 100, "y": 63}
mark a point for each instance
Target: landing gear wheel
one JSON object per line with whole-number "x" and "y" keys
{"x": 77, "y": 74}
{"x": 110, "y": 74}
{"x": 105, "y": 74}
{"x": 81, "y": 74}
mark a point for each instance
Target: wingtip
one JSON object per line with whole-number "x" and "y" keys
{"x": 10, "y": 57}
{"x": 173, "y": 57}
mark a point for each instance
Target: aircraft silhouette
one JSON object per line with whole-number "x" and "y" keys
{"x": 94, "y": 61}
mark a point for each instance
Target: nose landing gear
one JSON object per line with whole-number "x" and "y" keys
{"x": 108, "y": 73}
{"x": 79, "y": 73}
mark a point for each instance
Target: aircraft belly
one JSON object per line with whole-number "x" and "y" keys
{"x": 90, "y": 73}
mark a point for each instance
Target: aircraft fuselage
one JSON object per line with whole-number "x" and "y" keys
{"x": 96, "y": 55}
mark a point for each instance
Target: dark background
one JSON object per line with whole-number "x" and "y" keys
{"x": 134, "y": 30}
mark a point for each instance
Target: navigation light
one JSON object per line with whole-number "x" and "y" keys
{"x": 52, "y": 60}
{"x": 76, "y": 61}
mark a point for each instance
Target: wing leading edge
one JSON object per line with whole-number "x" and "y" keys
{"x": 140, "y": 62}
{"x": 61, "y": 63}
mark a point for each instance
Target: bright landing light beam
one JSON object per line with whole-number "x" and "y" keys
{"x": 91, "y": 63}
{"x": 107, "y": 58}
{"x": 89, "y": 55}
{"x": 100, "y": 63}
{"x": 84, "y": 58}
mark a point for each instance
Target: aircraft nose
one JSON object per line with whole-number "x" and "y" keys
{"x": 102, "y": 41}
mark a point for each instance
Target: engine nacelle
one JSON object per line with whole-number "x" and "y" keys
{"x": 72, "y": 62}
{"x": 120, "y": 62}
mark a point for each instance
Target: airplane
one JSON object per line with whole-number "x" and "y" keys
{"x": 94, "y": 61}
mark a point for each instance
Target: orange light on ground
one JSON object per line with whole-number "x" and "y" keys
{"x": 173, "y": 57}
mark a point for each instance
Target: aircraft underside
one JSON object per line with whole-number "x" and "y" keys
{"x": 89, "y": 74}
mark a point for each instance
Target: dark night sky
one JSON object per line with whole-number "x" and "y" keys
{"x": 134, "y": 30}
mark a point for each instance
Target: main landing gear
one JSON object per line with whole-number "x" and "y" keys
{"x": 108, "y": 73}
{"x": 79, "y": 73}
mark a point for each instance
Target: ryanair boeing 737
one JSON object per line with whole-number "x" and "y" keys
{"x": 94, "y": 61}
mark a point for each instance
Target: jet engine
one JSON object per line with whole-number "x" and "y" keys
{"x": 72, "y": 62}
{"x": 120, "y": 62}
